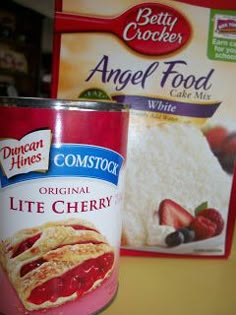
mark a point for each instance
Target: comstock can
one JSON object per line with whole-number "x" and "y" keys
{"x": 62, "y": 182}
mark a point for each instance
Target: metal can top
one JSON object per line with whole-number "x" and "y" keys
{"x": 93, "y": 105}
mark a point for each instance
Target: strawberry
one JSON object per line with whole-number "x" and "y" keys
{"x": 229, "y": 144}
{"x": 203, "y": 227}
{"x": 215, "y": 137}
{"x": 171, "y": 213}
{"x": 227, "y": 154}
{"x": 215, "y": 217}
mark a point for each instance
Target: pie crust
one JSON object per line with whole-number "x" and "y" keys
{"x": 56, "y": 262}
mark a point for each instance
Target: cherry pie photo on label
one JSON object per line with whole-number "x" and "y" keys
{"x": 52, "y": 264}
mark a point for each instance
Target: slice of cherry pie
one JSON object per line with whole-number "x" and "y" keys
{"x": 56, "y": 262}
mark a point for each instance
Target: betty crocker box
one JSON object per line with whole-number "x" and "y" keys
{"x": 174, "y": 63}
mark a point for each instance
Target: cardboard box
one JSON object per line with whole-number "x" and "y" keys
{"x": 173, "y": 62}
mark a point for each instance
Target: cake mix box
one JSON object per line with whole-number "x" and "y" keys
{"x": 174, "y": 63}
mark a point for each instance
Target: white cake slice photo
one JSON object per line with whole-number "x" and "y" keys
{"x": 177, "y": 193}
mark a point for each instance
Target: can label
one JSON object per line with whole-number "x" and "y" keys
{"x": 61, "y": 194}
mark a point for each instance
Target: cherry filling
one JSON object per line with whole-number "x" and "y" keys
{"x": 29, "y": 242}
{"x": 31, "y": 266}
{"x": 25, "y": 245}
{"x": 39, "y": 262}
{"x": 78, "y": 280}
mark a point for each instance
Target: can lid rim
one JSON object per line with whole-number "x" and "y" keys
{"x": 69, "y": 104}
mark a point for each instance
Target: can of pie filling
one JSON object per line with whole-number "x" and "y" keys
{"x": 62, "y": 182}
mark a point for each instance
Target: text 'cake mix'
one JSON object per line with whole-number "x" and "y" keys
{"x": 174, "y": 63}
{"x": 62, "y": 183}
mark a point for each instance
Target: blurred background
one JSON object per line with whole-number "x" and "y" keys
{"x": 26, "y": 43}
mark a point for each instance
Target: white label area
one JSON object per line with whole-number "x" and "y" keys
{"x": 32, "y": 203}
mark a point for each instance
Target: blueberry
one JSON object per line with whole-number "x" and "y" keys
{"x": 174, "y": 239}
{"x": 189, "y": 235}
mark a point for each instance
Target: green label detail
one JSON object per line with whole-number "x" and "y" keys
{"x": 94, "y": 94}
{"x": 222, "y": 35}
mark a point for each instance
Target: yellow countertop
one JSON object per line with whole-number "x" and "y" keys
{"x": 172, "y": 286}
